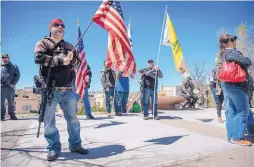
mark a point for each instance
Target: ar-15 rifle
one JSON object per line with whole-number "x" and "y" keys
{"x": 45, "y": 88}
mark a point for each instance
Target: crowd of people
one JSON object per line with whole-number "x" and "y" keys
{"x": 63, "y": 62}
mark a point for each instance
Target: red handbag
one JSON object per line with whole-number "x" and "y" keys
{"x": 231, "y": 72}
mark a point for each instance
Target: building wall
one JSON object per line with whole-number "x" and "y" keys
{"x": 25, "y": 100}
{"x": 171, "y": 91}
{"x": 25, "y": 105}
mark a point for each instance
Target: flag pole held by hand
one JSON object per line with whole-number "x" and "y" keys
{"x": 82, "y": 35}
{"x": 156, "y": 76}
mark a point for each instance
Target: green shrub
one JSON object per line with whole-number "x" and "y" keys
{"x": 96, "y": 108}
{"x": 81, "y": 111}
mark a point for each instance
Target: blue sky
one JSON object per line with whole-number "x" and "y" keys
{"x": 196, "y": 24}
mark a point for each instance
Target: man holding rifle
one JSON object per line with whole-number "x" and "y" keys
{"x": 57, "y": 56}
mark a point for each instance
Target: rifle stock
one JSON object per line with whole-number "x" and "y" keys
{"x": 44, "y": 99}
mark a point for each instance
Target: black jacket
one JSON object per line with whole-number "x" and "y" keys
{"x": 88, "y": 84}
{"x": 148, "y": 78}
{"x": 46, "y": 56}
{"x": 9, "y": 74}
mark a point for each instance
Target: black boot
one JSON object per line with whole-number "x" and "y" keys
{"x": 90, "y": 117}
{"x": 13, "y": 118}
{"x": 79, "y": 150}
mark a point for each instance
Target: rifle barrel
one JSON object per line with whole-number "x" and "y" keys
{"x": 38, "y": 132}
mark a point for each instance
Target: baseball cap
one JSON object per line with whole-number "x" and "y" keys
{"x": 54, "y": 21}
{"x": 150, "y": 61}
{"x": 5, "y": 55}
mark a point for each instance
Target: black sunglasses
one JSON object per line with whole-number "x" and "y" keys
{"x": 58, "y": 25}
{"x": 231, "y": 39}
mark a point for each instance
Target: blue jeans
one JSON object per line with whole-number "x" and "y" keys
{"x": 250, "y": 123}
{"x": 108, "y": 94}
{"x": 87, "y": 103}
{"x": 85, "y": 100}
{"x": 121, "y": 101}
{"x": 142, "y": 99}
{"x": 68, "y": 103}
{"x": 9, "y": 94}
{"x": 238, "y": 112}
{"x": 149, "y": 93}
{"x": 218, "y": 100}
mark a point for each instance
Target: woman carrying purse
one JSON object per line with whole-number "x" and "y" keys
{"x": 236, "y": 90}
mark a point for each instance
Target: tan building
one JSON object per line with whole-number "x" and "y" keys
{"x": 171, "y": 91}
{"x": 25, "y": 100}
{"x": 97, "y": 98}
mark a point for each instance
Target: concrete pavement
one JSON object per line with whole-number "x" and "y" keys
{"x": 129, "y": 141}
{"x": 12, "y": 131}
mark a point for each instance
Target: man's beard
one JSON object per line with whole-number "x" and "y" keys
{"x": 57, "y": 35}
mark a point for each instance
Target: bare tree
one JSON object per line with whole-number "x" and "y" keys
{"x": 199, "y": 74}
{"x": 245, "y": 41}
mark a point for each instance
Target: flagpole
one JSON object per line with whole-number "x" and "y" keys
{"x": 129, "y": 28}
{"x": 82, "y": 34}
{"x": 114, "y": 96}
{"x": 156, "y": 76}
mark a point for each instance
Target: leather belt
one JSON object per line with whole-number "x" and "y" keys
{"x": 63, "y": 88}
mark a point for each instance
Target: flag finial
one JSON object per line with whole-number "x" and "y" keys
{"x": 77, "y": 21}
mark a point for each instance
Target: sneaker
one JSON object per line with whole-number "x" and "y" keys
{"x": 13, "y": 118}
{"x": 157, "y": 118}
{"x": 79, "y": 150}
{"x": 118, "y": 114}
{"x": 220, "y": 120}
{"x": 90, "y": 117}
{"x": 242, "y": 142}
{"x": 109, "y": 114}
{"x": 145, "y": 118}
{"x": 3, "y": 119}
{"x": 52, "y": 156}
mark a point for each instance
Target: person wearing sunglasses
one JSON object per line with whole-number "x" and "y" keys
{"x": 58, "y": 54}
{"x": 9, "y": 78}
{"x": 237, "y": 100}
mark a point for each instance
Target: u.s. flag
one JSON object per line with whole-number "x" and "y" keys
{"x": 119, "y": 55}
{"x": 82, "y": 71}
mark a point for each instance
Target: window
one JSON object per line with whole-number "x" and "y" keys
{"x": 27, "y": 107}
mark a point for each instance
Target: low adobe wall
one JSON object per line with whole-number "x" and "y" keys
{"x": 168, "y": 103}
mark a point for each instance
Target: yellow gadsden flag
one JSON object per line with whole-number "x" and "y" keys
{"x": 170, "y": 39}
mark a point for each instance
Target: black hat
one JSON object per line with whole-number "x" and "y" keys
{"x": 150, "y": 61}
{"x": 5, "y": 55}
